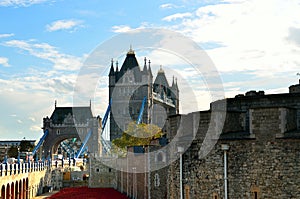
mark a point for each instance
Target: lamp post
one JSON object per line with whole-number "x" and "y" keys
{"x": 49, "y": 159}
{"x": 28, "y": 156}
{"x": 69, "y": 159}
{"x": 134, "y": 192}
{"x": 180, "y": 150}
{"x": 36, "y": 157}
{"x": 225, "y": 148}
{"x": 18, "y": 154}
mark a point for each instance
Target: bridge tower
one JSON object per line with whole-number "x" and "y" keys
{"x": 71, "y": 122}
{"x": 129, "y": 85}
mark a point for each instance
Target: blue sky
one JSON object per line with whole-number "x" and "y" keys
{"x": 254, "y": 44}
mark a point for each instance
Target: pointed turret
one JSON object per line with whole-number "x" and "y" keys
{"x": 117, "y": 66}
{"x": 175, "y": 94}
{"x": 173, "y": 82}
{"x": 161, "y": 78}
{"x": 130, "y": 63}
{"x": 112, "y": 71}
{"x": 112, "y": 74}
{"x": 149, "y": 70}
{"x": 145, "y": 66}
{"x": 145, "y": 77}
{"x": 176, "y": 85}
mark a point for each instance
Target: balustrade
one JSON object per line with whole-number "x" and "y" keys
{"x": 7, "y": 169}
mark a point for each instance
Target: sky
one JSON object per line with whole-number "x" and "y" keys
{"x": 254, "y": 45}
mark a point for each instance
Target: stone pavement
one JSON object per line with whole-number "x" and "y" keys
{"x": 45, "y": 195}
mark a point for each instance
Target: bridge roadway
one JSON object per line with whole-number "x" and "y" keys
{"x": 24, "y": 180}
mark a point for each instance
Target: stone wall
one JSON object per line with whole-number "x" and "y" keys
{"x": 263, "y": 165}
{"x": 262, "y": 132}
{"x": 100, "y": 175}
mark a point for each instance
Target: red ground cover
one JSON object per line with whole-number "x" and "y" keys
{"x": 88, "y": 193}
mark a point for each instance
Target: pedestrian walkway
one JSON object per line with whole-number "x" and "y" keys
{"x": 46, "y": 195}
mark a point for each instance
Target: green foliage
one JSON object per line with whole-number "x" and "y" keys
{"x": 138, "y": 135}
{"x": 13, "y": 151}
{"x": 25, "y": 145}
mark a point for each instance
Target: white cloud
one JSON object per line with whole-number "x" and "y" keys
{"x": 36, "y": 128}
{"x": 52, "y": 83}
{"x": 32, "y": 96}
{"x": 20, "y": 3}
{"x": 70, "y": 24}
{"x": 177, "y": 16}
{"x": 168, "y": 6}
{"x": 4, "y": 61}
{"x": 121, "y": 28}
{"x": 253, "y": 34}
{"x": 45, "y": 51}
{"x": 32, "y": 119}
{"x": 259, "y": 39}
{"x": 6, "y": 35}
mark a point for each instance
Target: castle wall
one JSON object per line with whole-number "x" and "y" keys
{"x": 263, "y": 156}
{"x": 264, "y": 164}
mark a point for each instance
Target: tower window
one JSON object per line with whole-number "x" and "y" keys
{"x": 255, "y": 195}
{"x": 255, "y": 192}
{"x": 215, "y": 196}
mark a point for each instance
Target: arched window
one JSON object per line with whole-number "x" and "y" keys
{"x": 160, "y": 157}
{"x": 156, "y": 180}
{"x": 215, "y": 196}
{"x": 255, "y": 192}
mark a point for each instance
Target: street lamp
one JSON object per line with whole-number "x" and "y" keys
{"x": 28, "y": 156}
{"x": 49, "y": 163}
{"x": 36, "y": 157}
{"x": 69, "y": 159}
{"x": 180, "y": 150}
{"x": 18, "y": 154}
{"x": 134, "y": 184}
{"x": 225, "y": 148}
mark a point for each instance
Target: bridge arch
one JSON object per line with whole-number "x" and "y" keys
{"x": 16, "y": 194}
{"x": 8, "y": 191}
{"x": 20, "y": 189}
{"x": 53, "y": 139}
{"x": 3, "y": 191}
{"x": 60, "y": 140}
{"x": 26, "y": 188}
{"x": 12, "y": 191}
{"x": 65, "y": 123}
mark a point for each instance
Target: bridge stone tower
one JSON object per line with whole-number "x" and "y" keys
{"x": 71, "y": 122}
{"x": 129, "y": 85}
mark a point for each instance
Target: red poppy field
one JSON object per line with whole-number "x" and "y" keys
{"x": 88, "y": 193}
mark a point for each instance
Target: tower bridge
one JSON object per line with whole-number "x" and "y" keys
{"x": 131, "y": 90}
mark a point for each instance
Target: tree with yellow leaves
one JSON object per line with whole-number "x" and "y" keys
{"x": 138, "y": 135}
